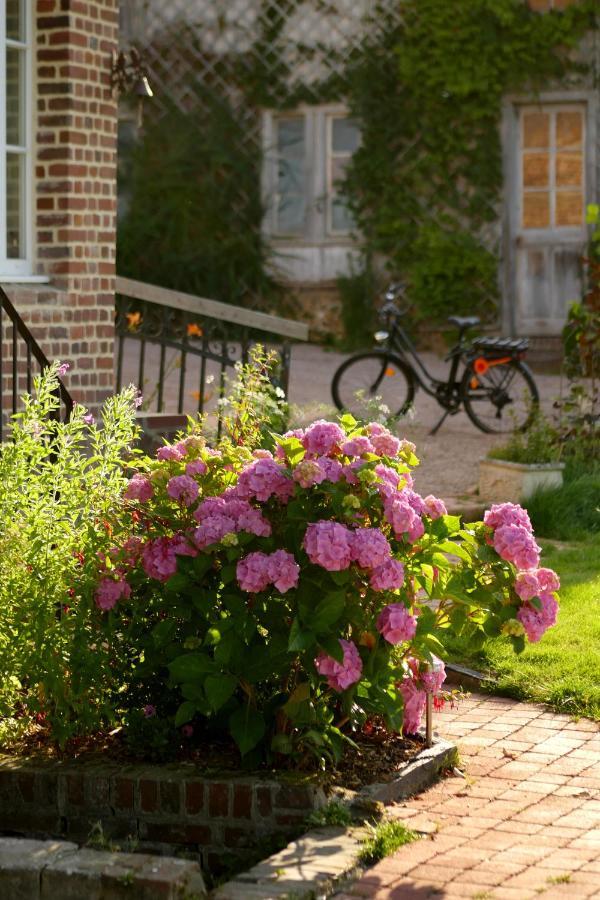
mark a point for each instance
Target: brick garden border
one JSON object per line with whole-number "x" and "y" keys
{"x": 174, "y": 809}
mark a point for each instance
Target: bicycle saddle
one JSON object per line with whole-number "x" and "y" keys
{"x": 463, "y": 322}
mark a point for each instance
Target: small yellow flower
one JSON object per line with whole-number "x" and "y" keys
{"x": 230, "y": 540}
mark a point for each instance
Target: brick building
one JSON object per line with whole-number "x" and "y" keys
{"x": 58, "y": 124}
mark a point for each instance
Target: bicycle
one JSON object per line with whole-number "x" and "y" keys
{"x": 496, "y": 388}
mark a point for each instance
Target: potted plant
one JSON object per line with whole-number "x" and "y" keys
{"x": 527, "y": 462}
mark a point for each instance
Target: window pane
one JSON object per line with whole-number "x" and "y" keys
{"x": 569, "y": 208}
{"x": 291, "y": 179}
{"x": 15, "y": 244}
{"x": 536, "y": 210}
{"x": 341, "y": 217}
{"x": 14, "y": 20}
{"x": 569, "y": 129}
{"x": 14, "y": 105}
{"x": 569, "y": 169}
{"x": 345, "y": 135}
{"x": 535, "y": 169}
{"x": 536, "y": 130}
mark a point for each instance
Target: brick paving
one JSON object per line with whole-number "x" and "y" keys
{"x": 523, "y": 823}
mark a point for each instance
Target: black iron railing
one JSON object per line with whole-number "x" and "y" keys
{"x": 176, "y": 348}
{"x": 20, "y": 358}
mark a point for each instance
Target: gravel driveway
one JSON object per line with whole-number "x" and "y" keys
{"x": 449, "y": 459}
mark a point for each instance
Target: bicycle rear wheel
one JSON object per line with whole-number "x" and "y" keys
{"x": 501, "y": 399}
{"x": 370, "y": 379}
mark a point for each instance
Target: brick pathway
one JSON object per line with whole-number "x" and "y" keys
{"x": 524, "y": 823}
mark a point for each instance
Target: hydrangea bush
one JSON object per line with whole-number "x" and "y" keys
{"x": 288, "y": 598}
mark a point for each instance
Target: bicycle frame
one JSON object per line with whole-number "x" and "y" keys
{"x": 400, "y": 343}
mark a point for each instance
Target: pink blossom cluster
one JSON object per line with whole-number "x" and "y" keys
{"x": 507, "y": 514}
{"x": 109, "y": 592}
{"x": 370, "y": 548}
{"x": 434, "y": 508}
{"x": 383, "y": 441}
{"x": 516, "y": 544}
{"x": 183, "y": 488}
{"x": 227, "y": 514}
{"x": 388, "y": 577}
{"x": 196, "y": 467}
{"x": 322, "y": 438}
{"x": 414, "y": 688}
{"x": 402, "y": 511}
{"x": 139, "y": 488}
{"x": 262, "y": 479}
{"x": 171, "y": 452}
{"x": 257, "y": 571}
{"x": 357, "y": 446}
{"x": 537, "y": 621}
{"x": 536, "y": 582}
{"x": 159, "y": 556}
{"x": 329, "y": 544}
{"x": 340, "y": 675}
{"x": 396, "y": 624}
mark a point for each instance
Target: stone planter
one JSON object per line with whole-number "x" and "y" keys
{"x": 501, "y": 481}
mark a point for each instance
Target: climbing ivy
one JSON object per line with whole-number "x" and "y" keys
{"x": 426, "y": 184}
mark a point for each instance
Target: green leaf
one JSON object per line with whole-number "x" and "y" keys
{"x": 331, "y": 646}
{"x": 300, "y": 639}
{"x": 455, "y": 549}
{"x": 177, "y": 583}
{"x": 219, "y": 688}
{"x": 228, "y": 573}
{"x": 190, "y": 666}
{"x": 247, "y": 728}
{"x": 452, "y": 523}
{"x": 328, "y": 611}
{"x": 164, "y": 632}
{"x": 348, "y": 422}
{"x": 340, "y": 578}
{"x": 186, "y": 711}
{"x": 201, "y": 564}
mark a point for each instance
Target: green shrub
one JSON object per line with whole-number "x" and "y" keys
{"x": 60, "y": 485}
{"x": 567, "y": 513}
{"x": 539, "y": 444}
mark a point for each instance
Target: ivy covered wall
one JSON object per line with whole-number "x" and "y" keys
{"x": 425, "y": 78}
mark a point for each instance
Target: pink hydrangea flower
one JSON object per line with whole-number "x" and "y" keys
{"x": 63, "y": 369}
{"x": 169, "y": 452}
{"x": 349, "y": 472}
{"x": 109, "y": 592}
{"x": 182, "y": 546}
{"x": 396, "y": 624}
{"x": 434, "y": 508}
{"x": 322, "y": 437}
{"x": 329, "y": 544}
{"x": 385, "y": 444}
{"x": 263, "y": 479}
{"x": 139, "y": 488}
{"x": 433, "y": 679}
{"x": 403, "y": 518}
{"x": 196, "y": 467}
{"x": 284, "y": 571}
{"x": 507, "y": 514}
{"x": 182, "y": 488}
{"x": 370, "y": 548}
{"x": 254, "y": 572}
{"x": 414, "y": 500}
{"x": 537, "y": 621}
{"x": 331, "y": 468}
{"x": 252, "y": 520}
{"x": 389, "y": 480}
{"x": 212, "y": 529}
{"x": 387, "y": 577}
{"x": 340, "y": 675}
{"x": 149, "y": 711}
{"x": 158, "y": 559}
{"x": 308, "y": 472}
{"x": 240, "y": 516}
{"x": 415, "y": 700}
{"x": 516, "y": 544}
{"x": 357, "y": 446}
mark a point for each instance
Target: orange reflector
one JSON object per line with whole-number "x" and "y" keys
{"x": 481, "y": 365}
{"x": 474, "y": 384}
{"x": 390, "y": 372}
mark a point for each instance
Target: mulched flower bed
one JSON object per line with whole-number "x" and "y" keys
{"x": 379, "y": 757}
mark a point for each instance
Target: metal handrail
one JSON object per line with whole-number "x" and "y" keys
{"x": 32, "y": 351}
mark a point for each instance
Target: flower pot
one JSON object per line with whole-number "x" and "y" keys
{"x": 501, "y": 481}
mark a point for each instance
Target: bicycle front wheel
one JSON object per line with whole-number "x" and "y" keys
{"x": 369, "y": 381}
{"x": 501, "y": 399}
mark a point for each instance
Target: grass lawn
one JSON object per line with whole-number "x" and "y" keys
{"x": 563, "y": 669}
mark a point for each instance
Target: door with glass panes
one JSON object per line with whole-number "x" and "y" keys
{"x": 549, "y": 194}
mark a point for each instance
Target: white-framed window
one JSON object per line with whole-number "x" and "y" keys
{"x": 306, "y": 153}
{"x": 552, "y": 166}
{"x": 15, "y": 137}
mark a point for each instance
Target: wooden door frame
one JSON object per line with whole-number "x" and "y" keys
{"x": 507, "y": 273}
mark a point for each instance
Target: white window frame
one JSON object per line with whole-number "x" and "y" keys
{"x": 553, "y": 108}
{"x": 318, "y": 127}
{"x": 22, "y": 266}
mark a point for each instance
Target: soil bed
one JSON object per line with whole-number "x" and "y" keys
{"x": 379, "y": 756}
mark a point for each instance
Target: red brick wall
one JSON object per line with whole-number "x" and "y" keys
{"x": 75, "y": 140}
